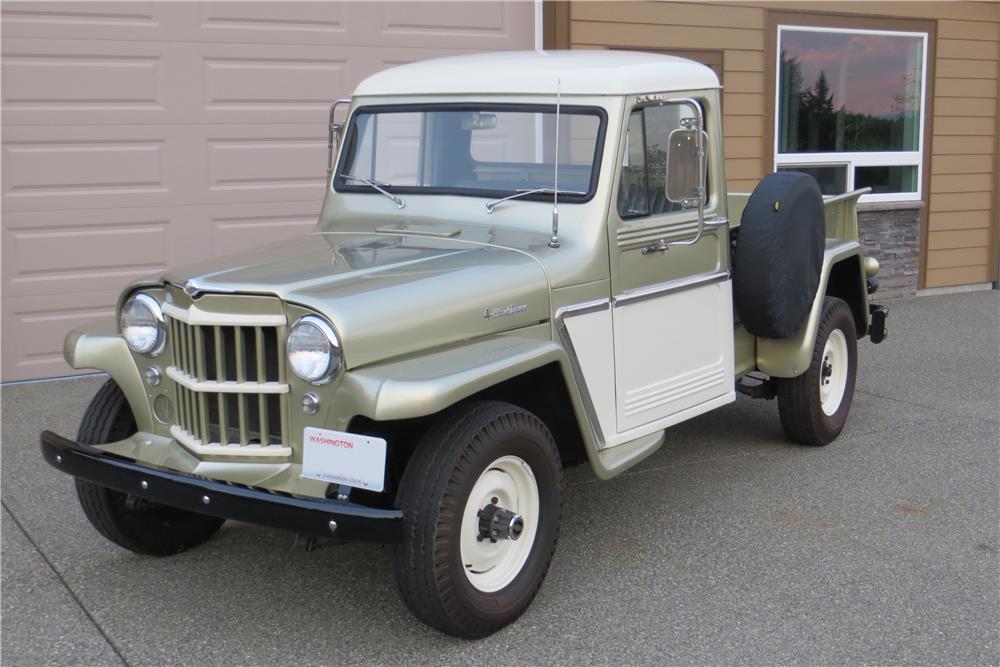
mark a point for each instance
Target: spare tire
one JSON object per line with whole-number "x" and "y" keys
{"x": 779, "y": 254}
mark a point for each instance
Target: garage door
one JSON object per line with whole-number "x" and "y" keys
{"x": 142, "y": 135}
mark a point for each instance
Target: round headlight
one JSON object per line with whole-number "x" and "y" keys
{"x": 142, "y": 324}
{"x": 313, "y": 349}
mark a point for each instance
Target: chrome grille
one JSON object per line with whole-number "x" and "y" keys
{"x": 230, "y": 387}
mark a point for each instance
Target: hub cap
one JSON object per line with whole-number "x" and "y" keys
{"x": 833, "y": 373}
{"x": 507, "y": 483}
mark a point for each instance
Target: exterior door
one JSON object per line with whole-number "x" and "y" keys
{"x": 672, "y": 313}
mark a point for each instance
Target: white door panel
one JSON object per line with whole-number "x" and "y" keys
{"x": 672, "y": 353}
{"x": 590, "y": 334}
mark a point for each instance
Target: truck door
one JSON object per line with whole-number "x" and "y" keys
{"x": 672, "y": 313}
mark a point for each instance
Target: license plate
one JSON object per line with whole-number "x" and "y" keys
{"x": 344, "y": 458}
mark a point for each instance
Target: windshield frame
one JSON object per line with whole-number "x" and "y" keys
{"x": 350, "y": 143}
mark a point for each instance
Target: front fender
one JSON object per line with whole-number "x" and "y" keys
{"x": 426, "y": 384}
{"x": 101, "y": 348}
{"x": 790, "y": 357}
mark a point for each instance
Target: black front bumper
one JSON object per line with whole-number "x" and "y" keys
{"x": 312, "y": 516}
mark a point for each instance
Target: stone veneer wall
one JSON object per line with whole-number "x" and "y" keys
{"x": 891, "y": 234}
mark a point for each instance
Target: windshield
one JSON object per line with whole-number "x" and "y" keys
{"x": 477, "y": 150}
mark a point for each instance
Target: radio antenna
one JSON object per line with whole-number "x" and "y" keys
{"x": 554, "y": 241}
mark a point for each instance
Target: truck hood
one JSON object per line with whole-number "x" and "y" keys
{"x": 388, "y": 294}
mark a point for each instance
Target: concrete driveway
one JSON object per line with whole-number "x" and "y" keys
{"x": 730, "y": 545}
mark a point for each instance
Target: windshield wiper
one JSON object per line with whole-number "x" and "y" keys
{"x": 490, "y": 205}
{"x": 376, "y": 185}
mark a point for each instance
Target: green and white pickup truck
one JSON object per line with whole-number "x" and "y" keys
{"x": 523, "y": 261}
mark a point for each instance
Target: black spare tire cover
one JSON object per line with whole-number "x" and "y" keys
{"x": 779, "y": 254}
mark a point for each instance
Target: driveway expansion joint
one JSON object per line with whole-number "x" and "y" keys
{"x": 65, "y": 584}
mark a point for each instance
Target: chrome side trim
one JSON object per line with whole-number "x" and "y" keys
{"x": 574, "y": 361}
{"x": 594, "y": 306}
{"x": 628, "y": 237}
{"x": 661, "y": 289}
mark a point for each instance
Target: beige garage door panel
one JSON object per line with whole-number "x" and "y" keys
{"x": 78, "y": 82}
{"x": 138, "y": 136}
{"x": 33, "y": 329}
{"x": 472, "y": 25}
{"x": 66, "y": 167}
{"x": 46, "y": 254}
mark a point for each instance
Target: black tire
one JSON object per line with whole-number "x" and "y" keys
{"x": 779, "y": 254}
{"x": 148, "y": 529}
{"x": 433, "y": 494}
{"x": 799, "y": 400}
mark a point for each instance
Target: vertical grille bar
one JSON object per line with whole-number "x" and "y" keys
{"x": 190, "y": 349}
{"x": 283, "y": 406}
{"x": 241, "y": 376}
{"x": 202, "y": 373}
{"x": 261, "y": 377}
{"x": 220, "y": 375}
{"x": 172, "y": 337}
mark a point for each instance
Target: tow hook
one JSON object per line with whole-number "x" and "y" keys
{"x": 877, "y": 330}
{"x": 309, "y": 543}
{"x": 137, "y": 504}
{"x": 497, "y": 523}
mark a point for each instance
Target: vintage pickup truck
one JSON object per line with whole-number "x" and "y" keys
{"x": 523, "y": 261}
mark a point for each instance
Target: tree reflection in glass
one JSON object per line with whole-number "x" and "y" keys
{"x": 849, "y": 92}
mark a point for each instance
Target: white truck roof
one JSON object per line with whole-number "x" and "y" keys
{"x": 580, "y": 72}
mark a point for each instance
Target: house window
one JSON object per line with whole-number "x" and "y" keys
{"x": 850, "y": 109}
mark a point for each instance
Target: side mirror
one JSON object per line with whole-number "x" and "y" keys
{"x": 686, "y": 167}
{"x": 333, "y": 134}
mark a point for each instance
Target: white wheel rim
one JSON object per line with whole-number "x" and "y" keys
{"x": 833, "y": 373}
{"x": 491, "y": 566}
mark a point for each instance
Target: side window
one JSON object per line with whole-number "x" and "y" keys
{"x": 641, "y": 192}
{"x": 632, "y": 193}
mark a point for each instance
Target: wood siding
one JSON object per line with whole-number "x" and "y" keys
{"x": 960, "y": 236}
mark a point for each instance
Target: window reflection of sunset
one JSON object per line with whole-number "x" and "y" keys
{"x": 849, "y": 109}
{"x": 878, "y": 68}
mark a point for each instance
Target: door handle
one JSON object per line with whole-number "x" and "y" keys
{"x": 661, "y": 246}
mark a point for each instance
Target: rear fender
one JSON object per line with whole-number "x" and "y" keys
{"x": 790, "y": 357}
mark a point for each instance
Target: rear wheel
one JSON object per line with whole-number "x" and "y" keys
{"x": 814, "y": 406}
{"x": 132, "y": 523}
{"x": 481, "y": 503}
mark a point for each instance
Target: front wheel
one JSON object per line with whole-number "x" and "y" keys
{"x": 131, "y": 522}
{"x": 481, "y": 503}
{"x": 814, "y": 405}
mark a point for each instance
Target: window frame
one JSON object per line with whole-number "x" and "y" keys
{"x": 352, "y": 135}
{"x": 640, "y": 218}
{"x": 854, "y": 159}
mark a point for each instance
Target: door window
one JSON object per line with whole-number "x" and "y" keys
{"x": 641, "y": 192}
